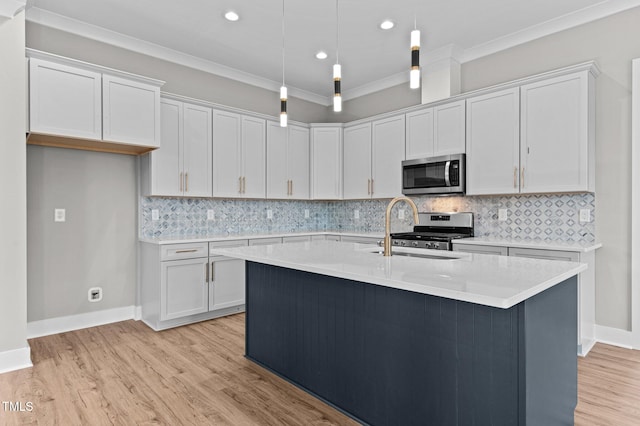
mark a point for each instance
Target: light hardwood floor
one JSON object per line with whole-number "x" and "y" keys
{"x": 125, "y": 374}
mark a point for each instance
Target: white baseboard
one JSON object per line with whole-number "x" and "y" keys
{"x": 614, "y": 336}
{"x": 138, "y": 314}
{"x": 16, "y": 359}
{"x": 77, "y": 322}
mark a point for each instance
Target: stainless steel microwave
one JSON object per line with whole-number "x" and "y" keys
{"x": 434, "y": 175}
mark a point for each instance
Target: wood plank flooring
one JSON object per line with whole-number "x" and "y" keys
{"x": 126, "y": 374}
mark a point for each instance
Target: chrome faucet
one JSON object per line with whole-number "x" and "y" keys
{"x": 387, "y": 221}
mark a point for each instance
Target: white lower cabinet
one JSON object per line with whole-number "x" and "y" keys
{"x": 182, "y": 284}
{"x": 586, "y": 282}
{"x": 359, "y": 240}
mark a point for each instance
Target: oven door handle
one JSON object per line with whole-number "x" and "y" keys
{"x": 447, "y": 167}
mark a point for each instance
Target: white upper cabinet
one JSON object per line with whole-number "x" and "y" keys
{"x": 182, "y": 166}
{"x": 387, "y": 155}
{"x": 130, "y": 111}
{"x": 419, "y": 134}
{"x": 238, "y": 156}
{"x": 287, "y": 161}
{"x": 449, "y": 128}
{"x": 64, "y": 100}
{"x": 326, "y": 163}
{"x": 357, "y": 162}
{"x": 493, "y": 143}
{"x": 557, "y": 134}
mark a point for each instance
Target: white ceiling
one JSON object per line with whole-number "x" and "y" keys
{"x": 195, "y": 32}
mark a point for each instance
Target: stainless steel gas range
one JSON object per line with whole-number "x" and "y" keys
{"x": 436, "y": 230}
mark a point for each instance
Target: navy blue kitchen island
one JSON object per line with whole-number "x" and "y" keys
{"x": 391, "y": 356}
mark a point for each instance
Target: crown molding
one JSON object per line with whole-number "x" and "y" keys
{"x": 62, "y": 23}
{"x": 561, "y": 23}
{"x": 10, "y": 8}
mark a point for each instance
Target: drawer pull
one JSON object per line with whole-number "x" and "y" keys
{"x": 187, "y": 251}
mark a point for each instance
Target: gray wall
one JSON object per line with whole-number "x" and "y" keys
{"x": 613, "y": 43}
{"x": 391, "y": 99}
{"x": 13, "y": 225}
{"x": 96, "y": 246}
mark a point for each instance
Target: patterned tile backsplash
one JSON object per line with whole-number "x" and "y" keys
{"x": 547, "y": 217}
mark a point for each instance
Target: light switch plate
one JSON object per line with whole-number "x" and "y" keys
{"x": 356, "y": 214}
{"x": 211, "y": 215}
{"x": 155, "y": 214}
{"x": 585, "y": 215}
{"x": 269, "y": 214}
{"x": 401, "y": 214}
{"x": 59, "y": 215}
{"x": 502, "y": 214}
{"x": 306, "y": 213}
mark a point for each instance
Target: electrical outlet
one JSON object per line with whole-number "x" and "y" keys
{"x": 95, "y": 294}
{"x": 585, "y": 215}
{"x": 356, "y": 214}
{"x": 502, "y": 214}
{"x": 155, "y": 214}
{"x": 401, "y": 214}
{"x": 59, "y": 215}
{"x": 269, "y": 214}
{"x": 211, "y": 215}
{"x": 306, "y": 213}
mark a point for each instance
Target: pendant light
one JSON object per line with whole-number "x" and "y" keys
{"x": 414, "y": 74}
{"x": 337, "y": 73}
{"x": 283, "y": 89}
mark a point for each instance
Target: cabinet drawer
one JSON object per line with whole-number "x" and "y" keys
{"x": 296, "y": 239}
{"x": 184, "y": 251}
{"x": 359, "y": 240}
{"x": 265, "y": 241}
{"x": 502, "y": 251}
{"x": 227, "y": 244}
{"x": 568, "y": 256}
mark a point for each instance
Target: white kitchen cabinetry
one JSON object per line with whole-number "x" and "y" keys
{"x": 182, "y": 164}
{"x": 287, "y": 162}
{"x": 65, "y": 100}
{"x": 419, "y": 134}
{"x": 586, "y": 281}
{"x": 183, "y": 288}
{"x": 557, "y": 134}
{"x": 326, "y": 162}
{"x": 73, "y": 104}
{"x": 359, "y": 240}
{"x": 372, "y": 159}
{"x": 493, "y": 143}
{"x": 226, "y": 281}
{"x": 449, "y": 128}
{"x": 265, "y": 241}
{"x": 296, "y": 239}
{"x": 130, "y": 111}
{"x": 238, "y": 156}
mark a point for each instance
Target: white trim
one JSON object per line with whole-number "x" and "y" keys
{"x": 614, "y": 336}
{"x": 15, "y": 359}
{"x": 137, "y": 315}
{"x": 10, "y": 8}
{"x": 635, "y": 203}
{"x": 63, "y": 23}
{"x": 561, "y": 23}
{"x": 79, "y": 321}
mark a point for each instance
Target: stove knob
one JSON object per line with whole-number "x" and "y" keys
{"x": 415, "y": 244}
{"x": 404, "y": 244}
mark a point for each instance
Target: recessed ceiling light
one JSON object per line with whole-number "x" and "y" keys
{"x": 321, "y": 55}
{"x": 231, "y": 16}
{"x": 387, "y": 24}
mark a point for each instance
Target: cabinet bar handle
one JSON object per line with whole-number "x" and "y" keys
{"x": 368, "y": 186}
{"x": 292, "y": 187}
{"x": 213, "y": 271}
{"x": 371, "y": 186}
{"x": 181, "y": 181}
{"x": 515, "y": 177}
{"x": 186, "y": 182}
{"x": 187, "y": 251}
{"x": 239, "y": 185}
{"x": 244, "y": 184}
{"x": 522, "y": 178}
{"x": 206, "y": 269}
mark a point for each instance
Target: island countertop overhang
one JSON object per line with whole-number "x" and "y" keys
{"x": 490, "y": 280}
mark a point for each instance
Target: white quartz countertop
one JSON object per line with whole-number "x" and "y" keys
{"x": 498, "y": 281}
{"x": 253, "y": 236}
{"x": 542, "y": 245}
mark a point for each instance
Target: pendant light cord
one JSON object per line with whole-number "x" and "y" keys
{"x": 337, "y": 34}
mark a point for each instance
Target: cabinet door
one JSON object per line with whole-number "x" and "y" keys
{"x": 357, "y": 162}
{"x": 227, "y": 151}
{"x": 227, "y": 283}
{"x": 197, "y": 148}
{"x": 419, "y": 134}
{"x": 493, "y": 143}
{"x": 387, "y": 156}
{"x": 326, "y": 163}
{"x": 166, "y": 161}
{"x": 131, "y": 112}
{"x": 184, "y": 288}
{"x": 448, "y": 127}
{"x": 298, "y": 162}
{"x": 555, "y": 134}
{"x": 64, "y": 100}
{"x": 254, "y": 160}
{"x": 277, "y": 175}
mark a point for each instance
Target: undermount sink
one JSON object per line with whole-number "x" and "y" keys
{"x": 380, "y": 251}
